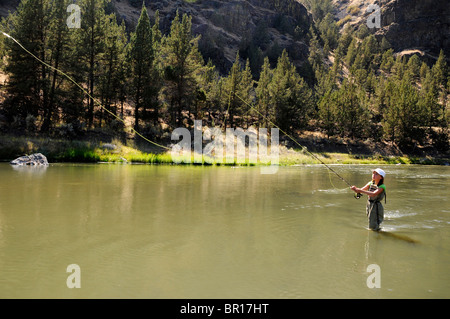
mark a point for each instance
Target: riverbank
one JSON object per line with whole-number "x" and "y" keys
{"x": 61, "y": 150}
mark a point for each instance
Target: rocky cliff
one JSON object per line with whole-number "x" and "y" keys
{"x": 409, "y": 25}
{"x": 263, "y": 27}
{"x": 257, "y": 28}
{"x": 417, "y": 24}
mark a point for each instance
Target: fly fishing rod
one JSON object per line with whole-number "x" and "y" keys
{"x": 357, "y": 196}
{"x": 82, "y": 89}
{"x": 162, "y": 146}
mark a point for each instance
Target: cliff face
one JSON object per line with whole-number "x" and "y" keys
{"x": 228, "y": 26}
{"x": 408, "y": 25}
{"x": 261, "y": 27}
{"x": 417, "y": 24}
{"x": 7, "y": 6}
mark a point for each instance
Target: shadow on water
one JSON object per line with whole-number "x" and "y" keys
{"x": 398, "y": 236}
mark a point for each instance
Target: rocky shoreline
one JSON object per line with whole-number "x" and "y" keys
{"x": 44, "y": 151}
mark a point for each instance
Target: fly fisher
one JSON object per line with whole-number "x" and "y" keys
{"x": 376, "y": 191}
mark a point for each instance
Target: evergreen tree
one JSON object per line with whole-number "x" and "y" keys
{"x": 90, "y": 46}
{"x": 429, "y": 95}
{"x": 413, "y": 68}
{"x": 57, "y": 47}
{"x": 387, "y": 60}
{"x": 142, "y": 66}
{"x": 351, "y": 111}
{"x": 210, "y": 84}
{"x": 436, "y": 89}
{"x": 266, "y": 114}
{"x": 440, "y": 70}
{"x": 329, "y": 31}
{"x": 112, "y": 76}
{"x": 389, "y": 110}
{"x": 246, "y": 91}
{"x": 399, "y": 68}
{"x": 316, "y": 55}
{"x": 352, "y": 52}
{"x": 344, "y": 40}
{"x": 237, "y": 88}
{"x": 182, "y": 64}
{"x": 290, "y": 95}
{"x": 27, "y": 87}
{"x": 405, "y": 116}
{"x": 424, "y": 69}
{"x": 327, "y": 111}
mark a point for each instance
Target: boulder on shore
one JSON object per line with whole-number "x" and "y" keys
{"x": 33, "y": 159}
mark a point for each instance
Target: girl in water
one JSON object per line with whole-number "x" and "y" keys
{"x": 376, "y": 191}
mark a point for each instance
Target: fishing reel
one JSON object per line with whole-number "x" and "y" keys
{"x": 358, "y": 195}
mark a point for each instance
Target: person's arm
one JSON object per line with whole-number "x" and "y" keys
{"x": 365, "y": 190}
{"x": 359, "y": 190}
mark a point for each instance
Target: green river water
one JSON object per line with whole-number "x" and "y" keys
{"x": 142, "y": 231}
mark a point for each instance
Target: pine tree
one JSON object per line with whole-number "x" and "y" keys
{"x": 182, "y": 64}
{"x": 424, "y": 69}
{"x": 429, "y": 95}
{"x": 237, "y": 90}
{"x": 246, "y": 91}
{"x": 27, "y": 87}
{"x": 112, "y": 76}
{"x": 351, "y": 111}
{"x": 437, "y": 88}
{"x": 352, "y": 52}
{"x": 210, "y": 84}
{"x": 316, "y": 55}
{"x": 90, "y": 45}
{"x": 266, "y": 114}
{"x": 57, "y": 46}
{"x": 327, "y": 111}
{"x": 290, "y": 95}
{"x": 329, "y": 32}
{"x": 440, "y": 70}
{"x": 389, "y": 110}
{"x": 413, "y": 68}
{"x": 142, "y": 66}
{"x": 344, "y": 40}
{"x": 387, "y": 60}
{"x": 405, "y": 116}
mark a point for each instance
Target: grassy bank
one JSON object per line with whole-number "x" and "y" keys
{"x": 345, "y": 158}
{"x": 57, "y": 150}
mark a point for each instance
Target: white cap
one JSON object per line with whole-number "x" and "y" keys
{"x": 380, "y": 172}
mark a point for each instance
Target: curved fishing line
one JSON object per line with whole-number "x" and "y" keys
{"x": 331, "y": 182}
{"x": 302, "y": 147}
{"x": 82, "y": 89}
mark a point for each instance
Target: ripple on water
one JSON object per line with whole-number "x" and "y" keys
{"x": 398, "y": 214}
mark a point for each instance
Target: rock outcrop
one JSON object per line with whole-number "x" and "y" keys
{"x": 418, "y": 24}
{"x": 408, "y": 25}
{"x": 228, "y": 26}
{"x": 31, "y": 160}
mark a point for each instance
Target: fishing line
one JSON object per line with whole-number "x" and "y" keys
{"x": 154, "y": 143}
{"x": 84, "y": 91}
{"x": 302, "y": 147}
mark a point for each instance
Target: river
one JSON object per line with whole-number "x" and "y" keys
{"x": 143, "y": 231}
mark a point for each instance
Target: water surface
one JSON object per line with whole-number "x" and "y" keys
{"x": 141, "y": 231}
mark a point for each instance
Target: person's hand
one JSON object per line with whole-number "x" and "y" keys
{"x": 354, "y": 188}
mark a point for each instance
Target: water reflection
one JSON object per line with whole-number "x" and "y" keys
{"x": 34, "y": 170}
{"x": 217, "y": 232}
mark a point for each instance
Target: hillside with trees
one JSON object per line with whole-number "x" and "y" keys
{"x": 172, "y": 66}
